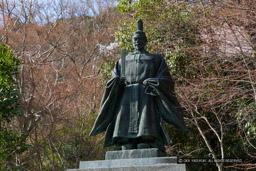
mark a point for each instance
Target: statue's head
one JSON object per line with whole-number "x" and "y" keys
{"x": 139, "y": 38}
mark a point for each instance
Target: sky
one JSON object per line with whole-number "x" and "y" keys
{"x": 50, "y": 10}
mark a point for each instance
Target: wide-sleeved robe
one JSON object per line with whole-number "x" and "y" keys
{"x": 134, "y": 110}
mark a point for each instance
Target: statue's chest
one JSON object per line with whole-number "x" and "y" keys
{"x": 140, "y": 67}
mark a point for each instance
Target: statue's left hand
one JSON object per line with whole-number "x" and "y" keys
{"x": 122, "y": 81}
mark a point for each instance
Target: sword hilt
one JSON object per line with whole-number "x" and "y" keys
{"x": 123, "y": 64}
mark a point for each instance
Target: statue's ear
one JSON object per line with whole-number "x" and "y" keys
{"x": 145, "y": 40}
{"x": 145, "y": 47}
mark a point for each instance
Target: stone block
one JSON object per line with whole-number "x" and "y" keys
{"x": 128, "y": 162}
{"x": 136, "y": 153}
{"x": 167, "y": 167}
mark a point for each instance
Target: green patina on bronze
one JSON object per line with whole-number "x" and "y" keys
{"x": 133, "y": 108}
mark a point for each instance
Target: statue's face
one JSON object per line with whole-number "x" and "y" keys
{"x": 139, "y": 42}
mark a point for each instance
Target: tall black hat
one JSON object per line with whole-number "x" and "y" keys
{"x": 140, "y": 31}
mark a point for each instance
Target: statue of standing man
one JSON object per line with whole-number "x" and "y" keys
{"x": 137, "y": 99}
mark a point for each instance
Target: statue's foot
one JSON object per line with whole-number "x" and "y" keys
{"x": 118, "y": 147}
{"x": 128, "y": 146}
{"x": 143, "y": 145}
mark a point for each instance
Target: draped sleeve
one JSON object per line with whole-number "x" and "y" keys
{"x": 108, "y": 103}
{"x": 162, "y": 86}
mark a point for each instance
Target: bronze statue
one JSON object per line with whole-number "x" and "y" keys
{"x": 138, "y": 98}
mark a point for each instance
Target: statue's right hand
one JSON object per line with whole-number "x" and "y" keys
{"x": 145, "y": 82}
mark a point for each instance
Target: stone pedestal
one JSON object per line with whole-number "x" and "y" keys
{"x": 136, "y": 153}
{"x": 133, "y": 160}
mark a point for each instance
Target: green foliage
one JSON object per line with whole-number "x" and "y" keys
{"x": 11, "y": 141}
{"x": 106, "y": 69}
{"x": 246, "y": 117}
{"x": 168, "y": 27}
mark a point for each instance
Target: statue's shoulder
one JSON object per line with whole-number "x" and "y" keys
{"x": 146, "y": 56}
{"x": 156, "y": 57}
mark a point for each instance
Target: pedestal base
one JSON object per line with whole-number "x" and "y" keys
{"x": 132, "y": 160}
